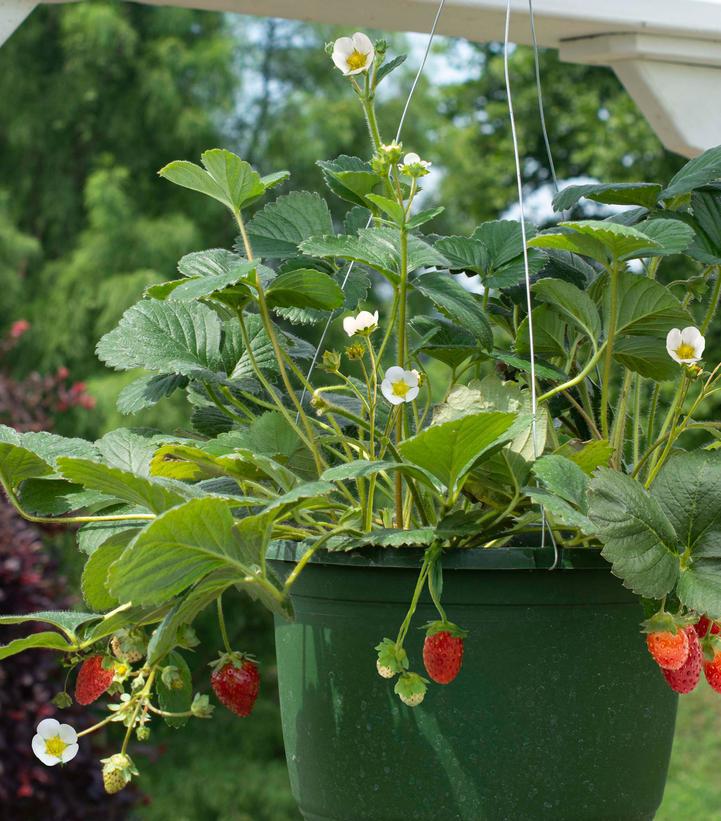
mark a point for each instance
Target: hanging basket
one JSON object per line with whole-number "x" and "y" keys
{"x": 559, "y": 712}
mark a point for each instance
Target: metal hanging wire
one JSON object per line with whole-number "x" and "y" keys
{"x": 526, "y": 269}
{"x": 402, "y": 120}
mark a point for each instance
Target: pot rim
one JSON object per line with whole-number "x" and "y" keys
{"x": 475, "y": 558}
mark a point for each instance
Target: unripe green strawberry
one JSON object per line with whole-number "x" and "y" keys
{"x": 129, "y": 645}
{"x": 384, "y": 671}
{"x": 411, "y": 689}
{"x": 118, "y": 771}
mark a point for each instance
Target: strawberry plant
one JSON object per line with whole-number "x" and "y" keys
{"x": 453, "y": 417}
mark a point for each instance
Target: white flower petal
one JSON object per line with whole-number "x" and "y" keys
{"x": 690, "y": 335}
{"x": 69, "y": 753}
{"x": 673, "y": 338}
{"x": 412, "y": 393}
{"x": 411, "y": 159}
{"x": 48, "y": 728}
{"x": 343, "y": 47}
{"x": 67, "y": 734}
{"x": 387, "y": 391}
{"x": 411, "y": 378}
{"x": 349, "y": 325}
{"x": 394, "y": 374}
{"x": 361, "y": 42}
{"x": 674, "y": 356}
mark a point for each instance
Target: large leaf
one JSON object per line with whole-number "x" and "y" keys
{"x": 615, "y": 193}
{"x": 169, "y": 337}
{"x": 280, "y": 227}
{"x": 444, "y": 340}
{"x": 564, "y": 478}
{"x": 378, "y": 248}
{"x": 696, "y": 173}
{"x": 66, "y": 620}
{"x": 449, "y": 450}
{"x": 130, "y": 449}
{"x": 93, "y": 582}
{"x": 646, "y": 308}
{"x": 576, "y": 306}
{"x": 41, "y": 641}
{"x": 672, "y": 235}
{"x": 121, "y": 484}
{"x": 706, "y": 246}
{"x": 305, "y": 288}
{"x": 177, "y": 550}
{"x": 460, "y": 306}
{"x": 600, "y": 240}
{"x": 647, "y": 356}
{"x": 639, "y": 540}
{"x": 689, "y": 490}
{"x": 148, "y": 390}
{"x": 350, "y": 178}
{"x": 225, "y": 178}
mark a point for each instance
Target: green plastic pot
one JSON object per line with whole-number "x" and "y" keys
{"x": 558, "y": 713}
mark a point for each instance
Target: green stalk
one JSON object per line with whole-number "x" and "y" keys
{"x": 672, "y": 418}
{"x": 636, "y": 421}
{"x": 618, "y": 433}
{"x": 578, "y": 378}
{"x": 402, "y": 305}
{"x": 713, "y": 305}
{"x": 270, "y": 331}
{"x": 608, "y": 364}
{"x": 221, "y": 624}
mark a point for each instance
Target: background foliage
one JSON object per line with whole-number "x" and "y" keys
{"x": 95, "y": 97}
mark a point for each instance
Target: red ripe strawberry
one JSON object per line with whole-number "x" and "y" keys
{"x": 236, "y": 682}
{"x": 670, "y": 650}
{"x": 443, "y": 651}
{"x": 712, "y": 669}
{"x": 93, "y": 680}
{"x": 685, "y": 679}
{"x": 702, "y": 626}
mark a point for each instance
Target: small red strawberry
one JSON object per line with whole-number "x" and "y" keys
{"x": 236, "y": 682}
{"x": 712, "y": 670}
{"x": 443, "y": 651}
{"x": 669, "y": 649}
{"x": 685, "y": 679}
{"x": 93, "y": 680}
{"x": 703, "y": 624}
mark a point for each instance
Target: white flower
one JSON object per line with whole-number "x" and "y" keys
{"x": 685, "y": 347}
{"x": 414, "y": 166}
{"x": 400, "y": 385}
{"x": 55, "y": 743}
{"x": 352, "y": 55}
{"x": 364, "y": 321}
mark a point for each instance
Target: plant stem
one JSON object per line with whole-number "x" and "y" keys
{"x": 636, "y": 421}
{"x": 221, "y": 624}
{"x": 713, "y": 305}
{"x": 671, "y": 418}
{"x": 270, "y": 331}
{"x": 578, "y": 378}
{"x": 402, "y": 305}
{"x": 608, "y": 364}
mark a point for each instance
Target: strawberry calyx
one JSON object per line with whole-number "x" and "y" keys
{"x": 391, "y": 658}
{"x": 444, "y": 626}
{"x": 411, "y": 688}
{"x": 665, "y": 622}
{"x": 233, "y": 657}
{"x": 710, "y": 646}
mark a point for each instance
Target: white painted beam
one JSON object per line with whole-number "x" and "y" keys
{"x": 12, "y": 13}
{"x": 675, "y": 81}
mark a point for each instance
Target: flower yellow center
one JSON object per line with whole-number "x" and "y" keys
{"x": 685, "y": 351}
{"x": 55, "y": 746}
{"x": 400, "y": 388}
{"x": 356, "y": 60}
